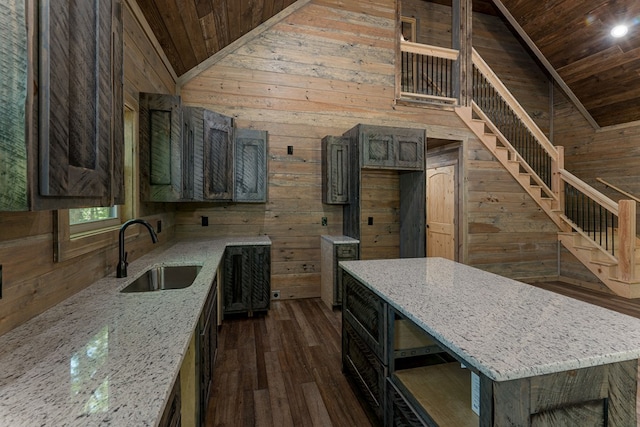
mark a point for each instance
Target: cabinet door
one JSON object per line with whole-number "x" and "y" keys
{"x": 335, "y": 170}
{"x": 250, "y": 152}
{"x": 260, "y": 278}
{"x": 208, "y": 346}
{"x": 13, "y": 86}
{"x": 237, "y": 280}
{"x": 77, "y": 99}
{"x": 410, "y": 149}
{"x": 218, "y": 157}
{"x": 172, "y": 416}
{"x": 191, "y": 126}
{"x": 377, "y": 148}
{"x": 160, "y": 148}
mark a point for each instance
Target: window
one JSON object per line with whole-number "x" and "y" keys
{"x": 88, "y": 219}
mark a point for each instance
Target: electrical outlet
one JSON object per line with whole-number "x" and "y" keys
{"x": 324, "y": 221}
{"x": 275, "y": 294}
{"x": 205, "y": 221}
{"x": 370, "y": 220}
{"x": 290, "y": 150}
{"x": 158, "y": 226}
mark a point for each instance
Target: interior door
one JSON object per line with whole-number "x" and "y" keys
{"x": 441, "y": 209}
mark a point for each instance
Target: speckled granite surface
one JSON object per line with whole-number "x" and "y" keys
{"x": 339, "y": 239}
{"x": 103, "y": 357}
{"x": 503, "y": 328}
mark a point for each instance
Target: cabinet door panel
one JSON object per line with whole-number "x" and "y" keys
{"x": 377, "y": 149}
{"x": 335, "y": 170}
{"x": 410, "y": 152}
{"x": 237, "y": 280}
{"x": 260, "y": 278}
{"x": 160, "y": 147}
{"x": 218, "y": 156}
{"x": 76, "y": 99}
{"x": 190, "y": 124}
{"x": 13, "y": 86}
{"x": 250, "y": 165}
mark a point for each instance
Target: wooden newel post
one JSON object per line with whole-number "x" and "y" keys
{"x": 627, "y": 239}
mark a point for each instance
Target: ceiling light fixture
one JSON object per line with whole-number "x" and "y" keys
{"x": 620, "y": 30}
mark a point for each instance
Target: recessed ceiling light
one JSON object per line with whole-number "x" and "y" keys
{"x": 619, "y": 31}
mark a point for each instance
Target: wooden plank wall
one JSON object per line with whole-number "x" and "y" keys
{"x": 321, "y": 71}
{"x": 31, "y": 280}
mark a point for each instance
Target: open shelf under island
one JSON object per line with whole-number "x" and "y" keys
{"x": 428, "y": 341}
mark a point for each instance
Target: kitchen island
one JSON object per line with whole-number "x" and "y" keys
{"x": 102, "y": 357}
{"x": 538, "y": 358}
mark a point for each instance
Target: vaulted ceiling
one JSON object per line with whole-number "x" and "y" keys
{"x": 574, "y": 36}
{"x": 571, "y": 36}
{"x": 190, "y": 31}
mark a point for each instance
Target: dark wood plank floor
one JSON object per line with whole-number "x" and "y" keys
{"x": 283, "y": 369}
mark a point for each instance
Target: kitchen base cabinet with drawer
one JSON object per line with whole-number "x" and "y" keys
{"x": 333, "y": 250}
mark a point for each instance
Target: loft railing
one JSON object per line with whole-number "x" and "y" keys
{"x": 427, "y": 72}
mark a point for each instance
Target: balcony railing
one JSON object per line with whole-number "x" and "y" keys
{"x": 428, "y": 73}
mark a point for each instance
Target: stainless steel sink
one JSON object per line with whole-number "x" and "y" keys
{"x": 164, "y": 277}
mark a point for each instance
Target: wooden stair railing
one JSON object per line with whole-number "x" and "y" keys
{"x": 508, "y": 132}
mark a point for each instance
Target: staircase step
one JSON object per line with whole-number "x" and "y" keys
{"x": 478, "y": 126}
{"x": 490, "y": 140}
{"x": 604, "y": 262}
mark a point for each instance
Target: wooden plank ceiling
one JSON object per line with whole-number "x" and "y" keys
{"x": 191, "y": 31}
{"x": 573, "y": 35}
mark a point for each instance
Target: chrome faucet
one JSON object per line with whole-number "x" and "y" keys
{"x": 122, "y": 255}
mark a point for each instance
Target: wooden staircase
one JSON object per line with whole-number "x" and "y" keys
{"x": 507, "y": 155}
{"x": 619, "y": 272}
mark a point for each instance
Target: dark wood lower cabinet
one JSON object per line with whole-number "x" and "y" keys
{"x": 247, "y": 279}
{"x": 207, "y": 349}
{"x": 172, "y": 416}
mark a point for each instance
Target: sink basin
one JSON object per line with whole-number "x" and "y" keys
{"x": 164, "y": 277}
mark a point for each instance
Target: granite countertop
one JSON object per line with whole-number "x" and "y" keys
{"x": 102, "y": 357}
{"x": 503, "y": 328}
{"x": 338, "y": 240}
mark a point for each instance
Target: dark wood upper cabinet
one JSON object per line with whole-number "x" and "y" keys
{"x": 193, "y": 154}
{"x": 161, "y": 146}
{"x": 392, "y": 148}
{"x": 77, "y": 100}
{"x": 72, "y": 154}
{"x": 218, "y": 156}
{"x": 250, "y": 153}
{"x": 335, "y": 170}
